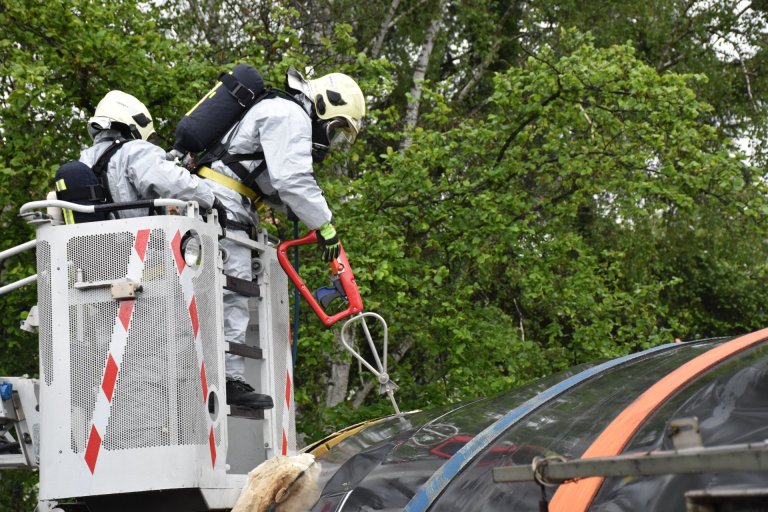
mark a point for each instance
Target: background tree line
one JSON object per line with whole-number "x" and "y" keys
{"x": 538, "y": 184}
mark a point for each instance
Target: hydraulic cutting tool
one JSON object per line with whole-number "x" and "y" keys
{"x": 344, "y": 287}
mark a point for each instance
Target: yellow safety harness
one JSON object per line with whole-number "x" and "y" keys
{"x": 223, "y": 179}
{"x": 68, "y": 217}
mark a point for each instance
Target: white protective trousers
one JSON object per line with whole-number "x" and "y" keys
{"x": 237, "y": 263}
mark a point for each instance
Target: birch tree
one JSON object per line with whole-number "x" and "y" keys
{"x": 420, "y": 71}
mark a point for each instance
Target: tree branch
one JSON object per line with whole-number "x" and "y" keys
{"x": 491, "y": 56}
{"x": 522, "y": 126}
{"x": 386, "y": 24}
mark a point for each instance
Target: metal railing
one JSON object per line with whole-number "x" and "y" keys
{"x": 27, "y": 208}
{"x": 556, "y": 470}
{"x": 13, "y": 251}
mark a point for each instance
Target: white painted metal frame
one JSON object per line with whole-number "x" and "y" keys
{"x": 63, "y": 472}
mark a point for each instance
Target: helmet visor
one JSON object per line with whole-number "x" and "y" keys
{"x": 339, "y": 130}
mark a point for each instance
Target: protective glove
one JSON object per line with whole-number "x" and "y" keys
{"x": 222, "y": 213}
{"x": 328, "y": 242}
{"x": 173, "y": 155}
{"x": 186, "y": 160}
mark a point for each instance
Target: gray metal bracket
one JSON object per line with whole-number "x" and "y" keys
{"x": 553, "y": 470}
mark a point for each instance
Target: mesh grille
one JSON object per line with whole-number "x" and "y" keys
{"x": 89, "y": 253}
{"x": 44, "y": 310}
{"x": 205, "y": 287}
{"x": 92, "y": 316}
{"x": 281, "y": 339}
{"x": 90, "y": 328}
{"x": 157, "y": 398}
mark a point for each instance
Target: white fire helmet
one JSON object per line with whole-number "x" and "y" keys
{"x": 335, "y": 95}
{"x": 120, "y": 107}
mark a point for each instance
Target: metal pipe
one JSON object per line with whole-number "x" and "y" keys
{"x": 741, "y": 457}
{"x": 18, "y": 284}
{"x": 18, "y": 249}
{"x": 39, "y": 205}
{"x": 81, "y": 208}
{"x": 296, "y": 300}
{"x": 10, "y": 461}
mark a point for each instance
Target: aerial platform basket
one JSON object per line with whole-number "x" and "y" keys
{"x": 130, "y": 371}
{"x": 129, "y": 411}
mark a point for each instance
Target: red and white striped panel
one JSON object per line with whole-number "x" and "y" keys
{"x": 115, "y": 353}
{"x": 286, "y": 418}
{"x": 188, "y": 290}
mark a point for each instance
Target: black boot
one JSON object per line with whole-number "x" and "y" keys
{"x": 241, "y": 393}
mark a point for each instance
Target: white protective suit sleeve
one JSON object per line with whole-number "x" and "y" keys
{"x": 145, "y": 167}
{"x": 286, "y": 139}
{"x": 283, "y": 131}
{"x": 139, "y": 170}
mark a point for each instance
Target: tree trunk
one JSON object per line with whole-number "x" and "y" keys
{"x": 420, "y": 71}
{"x": 491, "y": 57}
{"x": 378, "y": 42}
{"x": 338, "y": 385}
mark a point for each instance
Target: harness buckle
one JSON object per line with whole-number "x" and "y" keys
{"x": 242, "y": 100}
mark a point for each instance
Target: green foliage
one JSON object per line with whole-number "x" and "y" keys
{"x": 566, "y": 196}
{"x": 541, "y": 234}
{"x": 19, "y": 489}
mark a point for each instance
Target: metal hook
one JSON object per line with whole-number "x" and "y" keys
{"x": 385, "y": 383}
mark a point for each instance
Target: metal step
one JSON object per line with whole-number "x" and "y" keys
{"x": 246, "y": 412}
{"x": 247, "y": 351}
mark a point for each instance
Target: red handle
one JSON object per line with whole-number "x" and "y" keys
{"x": 340, "y": 266}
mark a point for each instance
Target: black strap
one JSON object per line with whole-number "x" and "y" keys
{"x": 100, "y": 167}
{"x": 127, "y": 205}
{"x": 103, "y": 161}
{"x": 242, "y": 286}
{"x": 244, "y": 96}
{"x": 219, "y": 152}
{"x": 274, "y": 91}
{"x": 231, "y": 224}
{"x": 87, "y": 193}
{"x": 248, "y": 178}
{"x": 247, "y": 351}
{"x": 233, "y": 160}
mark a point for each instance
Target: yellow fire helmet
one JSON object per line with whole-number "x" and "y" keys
{"x": 335, "y": 95}
{"x": 121, "y": 107}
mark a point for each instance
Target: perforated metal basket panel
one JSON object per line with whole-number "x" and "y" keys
{"x": 157, "y": 399}
{"x": 205, "y": 286}
{"x": 44, "y": 310}
{"x": 92, "y": 317}
{"x": 102, "y": 257}
{"x": 282, "y": 341}
{"x": 90, "y": 326}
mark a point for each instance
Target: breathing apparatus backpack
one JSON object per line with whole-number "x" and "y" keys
{"x": 77, "y": 183}
{"x": 223, "y": 106}
{"x": 201, "y": 130}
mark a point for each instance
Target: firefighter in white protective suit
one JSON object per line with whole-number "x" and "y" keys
{"x": 138, "y": 168}
{"x": 275, "y": 144}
